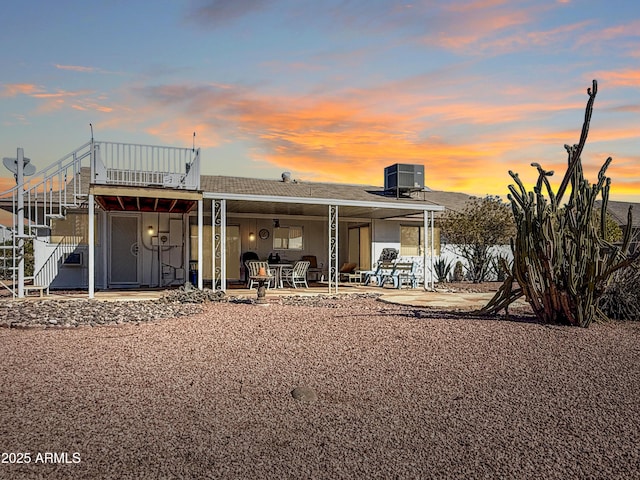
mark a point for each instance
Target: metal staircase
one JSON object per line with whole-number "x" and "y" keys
{"x": 45, "y": 196}
{"x": 64, "y": 185}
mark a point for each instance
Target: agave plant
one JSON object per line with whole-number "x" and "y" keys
{"x": 442, "y": 269}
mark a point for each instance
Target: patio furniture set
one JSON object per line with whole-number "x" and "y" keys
{"x": 397, "y": 272}
{"x": 274, "y": 275}
{"x": 389, "y": 270}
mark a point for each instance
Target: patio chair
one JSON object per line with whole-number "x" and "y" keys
{"x": 247, "y": 257}
{"x": 297, "y": 276}
{"x": 385, "y": 273}
{"x": 387, "y": 256}
{"x": 404, "y": 273}
{"x": 313, "y": 267}
{"x": 253, "y": 267}
{"x": 368, "y": 275}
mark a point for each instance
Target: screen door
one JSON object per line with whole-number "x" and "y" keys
{"x": 123, "y": 251}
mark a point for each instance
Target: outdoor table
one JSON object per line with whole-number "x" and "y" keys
{"x": 277, "y": 268}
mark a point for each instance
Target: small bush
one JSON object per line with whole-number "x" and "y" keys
{"x": 621, "y": 299}
{"x": 458, "y": 272}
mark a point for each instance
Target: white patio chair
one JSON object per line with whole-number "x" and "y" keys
{"x": 253, "y": 267}
{"x": 297, "y": 276}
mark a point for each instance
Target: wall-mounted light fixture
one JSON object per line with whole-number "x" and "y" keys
{"x": 252, "y": 236}
{"x": 150, "y": 229}
{"x": 276, "y": 223}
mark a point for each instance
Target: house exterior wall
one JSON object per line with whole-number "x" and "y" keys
{"x": 172, "y": 253}
{"x": 314, "y": 237}
{"x": 172, "y": 247}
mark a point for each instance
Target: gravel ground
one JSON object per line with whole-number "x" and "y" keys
{"x": 388, "y": 392}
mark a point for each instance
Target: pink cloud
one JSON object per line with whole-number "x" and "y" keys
{"x": 15, "y": 89}
{"x": 621, "y": 78}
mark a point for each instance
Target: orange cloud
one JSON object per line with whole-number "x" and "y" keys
{"x": 353, "y": 135}
{"x": 621, "y": 78}
{"x": 15, "y": 89}
{"x": 82, "y": 99}
{"x": 179, "y": 131}
{"x": 612, "y": 33}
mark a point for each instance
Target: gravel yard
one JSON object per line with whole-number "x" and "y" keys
{"x": 401, "y": 392}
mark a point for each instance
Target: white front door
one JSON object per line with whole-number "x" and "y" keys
{"x": 124, "y": 261}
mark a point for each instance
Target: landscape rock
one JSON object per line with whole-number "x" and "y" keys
{"x": 304, "y": 394}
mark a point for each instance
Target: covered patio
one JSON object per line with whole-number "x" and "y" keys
{"x": 337, "y": 222}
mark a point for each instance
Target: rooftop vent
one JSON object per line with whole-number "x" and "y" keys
{"x": 402, "y": 178}
{"x": 286, "y": 177}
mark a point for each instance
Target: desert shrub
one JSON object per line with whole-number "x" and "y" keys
{"x": 621, "y": 299}
{"x": 458, "y": 272}
{"x": 501, "y": 266}
{"x": 482, "y": 224}
{"x": 442, "y": 268}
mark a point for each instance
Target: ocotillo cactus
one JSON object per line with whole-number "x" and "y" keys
{"x": 562, "y": 261}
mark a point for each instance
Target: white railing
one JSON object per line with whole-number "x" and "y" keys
{"x": 8, "y": 267}
{"x": 51, "y": 267}
{"x": 145, "y": 165}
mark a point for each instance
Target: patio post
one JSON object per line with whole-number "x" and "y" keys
{"x": 333, "y": 249}
{"x": 219, "y": 245}
{"x": 92, "y": 247}
{"x": 200, "y": 263}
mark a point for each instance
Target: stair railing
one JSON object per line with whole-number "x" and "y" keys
{"x": 51, "y": 267}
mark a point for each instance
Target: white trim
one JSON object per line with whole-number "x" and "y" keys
{"x": 312, "y": 218}
{"x": 321, "y": 201}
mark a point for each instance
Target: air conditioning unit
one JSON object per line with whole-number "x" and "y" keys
{"x": 402, "y": 178}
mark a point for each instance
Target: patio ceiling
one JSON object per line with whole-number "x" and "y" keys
{"x": 140, "y": 199}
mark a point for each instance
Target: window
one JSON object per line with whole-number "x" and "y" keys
{"x": 287, "y": 238}
{"x": 412, "y": 241}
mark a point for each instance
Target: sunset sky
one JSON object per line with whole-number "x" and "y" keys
{"x": 330, "y": 90}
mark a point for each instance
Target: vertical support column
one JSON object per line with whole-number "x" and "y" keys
{"x": 219, "y": 225}
{"x": 20, "y": 220}
{"x": 200, "y": 233}
{"x": 429, "y": 228}
{"x": 104, "y": 232}
{"x": 333, "y": 249}
{"x": 92, "y": 247}
{"x": 433, "y": 251}
{"x": 186, "y": 242}
{"x": 428, "y": 236}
